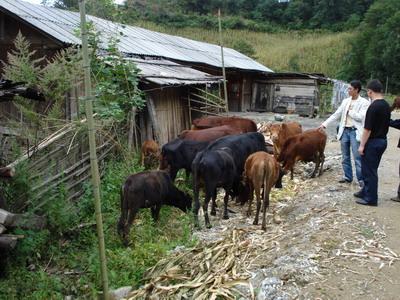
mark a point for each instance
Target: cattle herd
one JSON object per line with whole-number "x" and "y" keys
{"x": 219, "y": 152}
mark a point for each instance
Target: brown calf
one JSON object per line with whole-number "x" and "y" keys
{"x": 242, "y": 124}
{"x": 261, "y": 170}
{"x": 150, "y": 153}
{"x": 306, "y": 146}
{"x": 281, "y": 132}
{"x": 209, "y": 134}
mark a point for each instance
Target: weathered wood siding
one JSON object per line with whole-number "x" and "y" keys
{"x": 172, "y": 113}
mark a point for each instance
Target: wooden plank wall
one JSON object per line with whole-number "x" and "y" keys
{"x": 172, "y": 113}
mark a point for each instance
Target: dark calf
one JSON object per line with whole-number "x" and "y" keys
{"x": 150, "y": 189}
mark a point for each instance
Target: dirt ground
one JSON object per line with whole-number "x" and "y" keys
{"x": 328, "y": 247}
{"x": 319, "y": 244}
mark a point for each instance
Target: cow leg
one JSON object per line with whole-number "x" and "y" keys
{"x": 131, "y": 217}
{"x": 322, "y": 163}
{"x": 316, "y": 161}
{"x": 257, "y": 191}
{"x": 214, "y": 204}
{"x": 142, "y": 160}
{"x": 155, "y": 212}
{"x": 251, "y": 194}
{"x": 226, "y": 199}
{"x": 205, "y": 209}
{"x": 291, "y": 173}
{"x": 265, "y": 206}
{"x": 196, "y": 205}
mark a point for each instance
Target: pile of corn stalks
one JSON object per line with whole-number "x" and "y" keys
{"x": 204, "y": 272}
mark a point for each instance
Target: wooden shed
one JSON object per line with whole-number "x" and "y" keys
{"x": 288, "y": 93}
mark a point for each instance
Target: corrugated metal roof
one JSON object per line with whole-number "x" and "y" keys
{"x": 61, "y": 24}
{"x": 165, "y": 72}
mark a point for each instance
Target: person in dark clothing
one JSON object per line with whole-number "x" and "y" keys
{"x": 373, "y": 142}
{"x": 396, "y": 124}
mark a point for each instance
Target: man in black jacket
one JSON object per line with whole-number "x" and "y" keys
{"x": 373, "y": 143}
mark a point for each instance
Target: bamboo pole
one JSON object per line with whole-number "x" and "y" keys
{"x": 222, "y": 60}
{"x": 92, "y": 147}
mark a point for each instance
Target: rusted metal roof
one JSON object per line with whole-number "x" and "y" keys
{"x": 164, "y": 72}
{"x": 62, "y": 25}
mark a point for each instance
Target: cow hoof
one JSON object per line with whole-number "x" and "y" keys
{"x": 255, "y": 222}
{"x": 209, "y": 226}
{"x": 213, "y": 213}
{"x": 264, "y": 228}
{"x": 225, "y": 217}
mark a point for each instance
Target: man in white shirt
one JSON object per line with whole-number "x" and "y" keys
{"x": 351, "y": 112}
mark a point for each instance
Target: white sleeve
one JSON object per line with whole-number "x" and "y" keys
{"x": 336, "y": 115}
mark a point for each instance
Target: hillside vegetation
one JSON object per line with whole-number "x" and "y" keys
{"x": 293, "y": 51}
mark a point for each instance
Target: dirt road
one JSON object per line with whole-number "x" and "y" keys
{"x": 319, "y": 244}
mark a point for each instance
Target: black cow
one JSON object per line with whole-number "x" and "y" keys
{"x": 221, "y": 164}
{"x": 179, "y": 154}
{"x": 150, "y": 189}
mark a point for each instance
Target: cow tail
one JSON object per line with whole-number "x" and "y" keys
{"x": 266, "y": 188}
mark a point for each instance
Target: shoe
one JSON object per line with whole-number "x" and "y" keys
{"x": 344, "y": 180}
{"x": 396, "y": 199}
{"x": 359, "y": 194}
{"x": 363, "y": 202}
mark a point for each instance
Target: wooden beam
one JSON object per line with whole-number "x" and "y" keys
{"x": 6, "y": 218}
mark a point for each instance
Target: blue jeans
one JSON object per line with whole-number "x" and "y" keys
{"x": 349, "y": 143}
{"x": 373, "y": 152}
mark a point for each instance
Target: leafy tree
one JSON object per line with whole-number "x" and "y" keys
{"x": 376, "y": 50}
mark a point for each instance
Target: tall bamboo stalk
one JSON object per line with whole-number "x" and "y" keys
{"x": 92, "y": 150}
{"x": 222, "y": 60}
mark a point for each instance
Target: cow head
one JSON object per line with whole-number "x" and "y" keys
{"x": 183, "y": 201}
{"x": 274, "y": 130}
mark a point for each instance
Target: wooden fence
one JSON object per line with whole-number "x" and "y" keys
{"x": 61, "y": 161}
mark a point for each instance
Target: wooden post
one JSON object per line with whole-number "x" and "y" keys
{"x": 153, "y": 117}
{"x": 189, "y": 108}
{"x": 222, "y": 61}
{"x": 92, "y": 147}
{"x": 132, "y": 129}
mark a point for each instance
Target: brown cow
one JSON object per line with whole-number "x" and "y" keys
{"x": 281, "y": 132}
{"x": 150, "y": 153}
{"x": 306, "y": 146}
{"x": 209, "y": 134}
{"x": 245, "y": 125}
{"x": 396, "y": 103}
{"x": 261, "y": 170}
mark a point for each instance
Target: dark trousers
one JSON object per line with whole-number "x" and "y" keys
{"x": 398, "y": 189}
{"x": 373, "y": 152}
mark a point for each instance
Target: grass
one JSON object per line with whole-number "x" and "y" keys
{"x": 309, "y": 51}
{"x": 53, "y": 263}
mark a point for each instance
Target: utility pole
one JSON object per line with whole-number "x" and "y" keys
{"x": 92, "y": 149}
{"x": 222, "y": 61}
